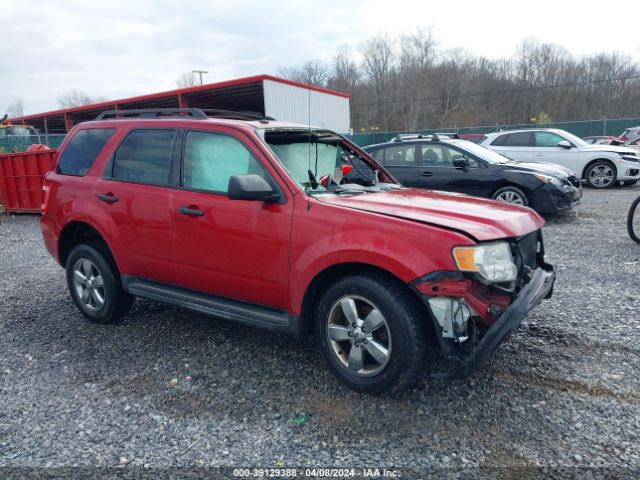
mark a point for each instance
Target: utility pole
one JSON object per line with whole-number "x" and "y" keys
{"x": 200, "y": 72}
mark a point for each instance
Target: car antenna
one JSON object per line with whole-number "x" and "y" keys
{"x": 312, "y": 177}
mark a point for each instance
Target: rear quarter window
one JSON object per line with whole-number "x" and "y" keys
{"x": 499, "y": 141}
{"x": 82, "y": 150}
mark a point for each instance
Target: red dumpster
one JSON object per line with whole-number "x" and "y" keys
{"x": 21, "y": 176}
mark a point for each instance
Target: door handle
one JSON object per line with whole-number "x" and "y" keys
{"x": 192, "y": 212}
{"x": 108, "y": 197}
{"x": 426, "y": 174}
{"x": 539, "y": 154}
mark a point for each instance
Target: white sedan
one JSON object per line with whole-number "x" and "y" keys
{"x": 601, "y": 166}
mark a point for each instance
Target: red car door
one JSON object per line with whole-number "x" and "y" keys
{"x": 232, "y": 248}
{"x": 135, "y": 192}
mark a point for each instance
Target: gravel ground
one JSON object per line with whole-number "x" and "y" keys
{"x": 563, "y": 392}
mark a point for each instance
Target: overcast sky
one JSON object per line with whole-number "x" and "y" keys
{"x": 121, "y": 48}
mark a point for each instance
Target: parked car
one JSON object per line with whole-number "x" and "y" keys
{"x": 600, "y": 165}
{"x": 632, "y": 133}
{"x": 461, "y": 166}
{"x": 261, "y": 222}
{"x": 601, "y": 140}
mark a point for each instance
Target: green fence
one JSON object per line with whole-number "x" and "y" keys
{"x": 14, "y": 143}
{"x": 584, "y": 128}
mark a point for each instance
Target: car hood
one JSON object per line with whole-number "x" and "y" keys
{"x": 544, "y": 168}
{"x": 479, "y": 218}
{"x": 608, "y": 148}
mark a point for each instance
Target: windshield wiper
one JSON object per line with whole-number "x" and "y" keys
{"x": 349, "y": 190}
{"x": 312, "y": 179}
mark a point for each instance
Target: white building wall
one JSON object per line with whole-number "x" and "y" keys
{"x": 300, "y": 105}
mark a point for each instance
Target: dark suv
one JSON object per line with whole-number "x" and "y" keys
{"x": 289, "y": 228}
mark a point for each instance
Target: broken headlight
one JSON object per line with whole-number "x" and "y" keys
{"x": 491, "y": 261}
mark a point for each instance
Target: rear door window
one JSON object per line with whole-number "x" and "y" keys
{"x": 400, "y": 156}
{"x": 145, "y": 156}
{"x": 82, "y": 150}
{"x": 519, "y": 139}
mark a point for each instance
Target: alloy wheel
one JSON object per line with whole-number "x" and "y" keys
{"x": 359, "y": 335}
{"x": 510, "y": 196}
{"x": 89, "y": 284}
{"x": 601, "y": 176}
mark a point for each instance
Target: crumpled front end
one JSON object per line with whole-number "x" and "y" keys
{"x": 473, "y": 315}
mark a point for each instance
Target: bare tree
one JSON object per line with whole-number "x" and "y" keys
{"x": 345, "y": 75}
{"x": 186, "y": 80}
{"x": 409, "y": 83}
{"x": 77, "y": 98}
{"x": 378, "y": 60}
{"x": 313, "y": 72}
{"x": 16, "y": 108}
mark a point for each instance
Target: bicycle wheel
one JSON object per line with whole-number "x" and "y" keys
{"x": 633, "y": 221}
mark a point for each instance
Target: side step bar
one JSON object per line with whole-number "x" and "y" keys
{"x": 230, "y": 309}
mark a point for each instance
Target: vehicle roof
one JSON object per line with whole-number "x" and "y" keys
{"x": 393, "y": 143}
{"x": 504, "y": 132}
{"x": 194, "y": 123}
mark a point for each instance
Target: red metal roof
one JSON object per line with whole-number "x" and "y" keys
{"x": 179, "y": 91}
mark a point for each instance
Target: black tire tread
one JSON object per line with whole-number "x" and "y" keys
{"x": 401, "y": 300}
{"x": 121, "y": 301}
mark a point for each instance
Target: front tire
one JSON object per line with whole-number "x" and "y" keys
{"x": 94, "y": 285}
{"x": 601, "y": 174}
{"x": 512, "y": 195}
{"x": 370, "y": 332}
{"x": 628, "y": 183}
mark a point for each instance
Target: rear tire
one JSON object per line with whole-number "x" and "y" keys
{"x": 511, "y": 194}
{"x": 94, "y": 285}
{"x": 601, "y": 174}
{"x": 370, "y": 332}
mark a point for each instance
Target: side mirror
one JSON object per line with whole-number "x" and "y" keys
{"x": 251, "y": 187}
{"x": 460, "y": 163}
{"x": 564, "y": 144}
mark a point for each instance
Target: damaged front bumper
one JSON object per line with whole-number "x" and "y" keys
{"x": 468, "y": 355}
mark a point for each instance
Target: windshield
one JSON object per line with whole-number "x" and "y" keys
{"x": 321, "y": 161}
{"x": 577, "y": 141}
{"x": 489, "y": 156}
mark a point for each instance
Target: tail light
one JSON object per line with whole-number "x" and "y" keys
{"x": 46, "y": 193}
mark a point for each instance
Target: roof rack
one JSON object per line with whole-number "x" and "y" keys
{"x": 152, "y": 113}
{"x": 412, "y": 136}
{"x": 434, "y": 137}
{"x": 181, "y": 112}
{"x": 215, "y": 112}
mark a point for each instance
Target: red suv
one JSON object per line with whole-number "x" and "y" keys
{"x": 293, "y": 229}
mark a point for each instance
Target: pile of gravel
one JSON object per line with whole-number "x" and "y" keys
{"x": 171, "y": 388}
